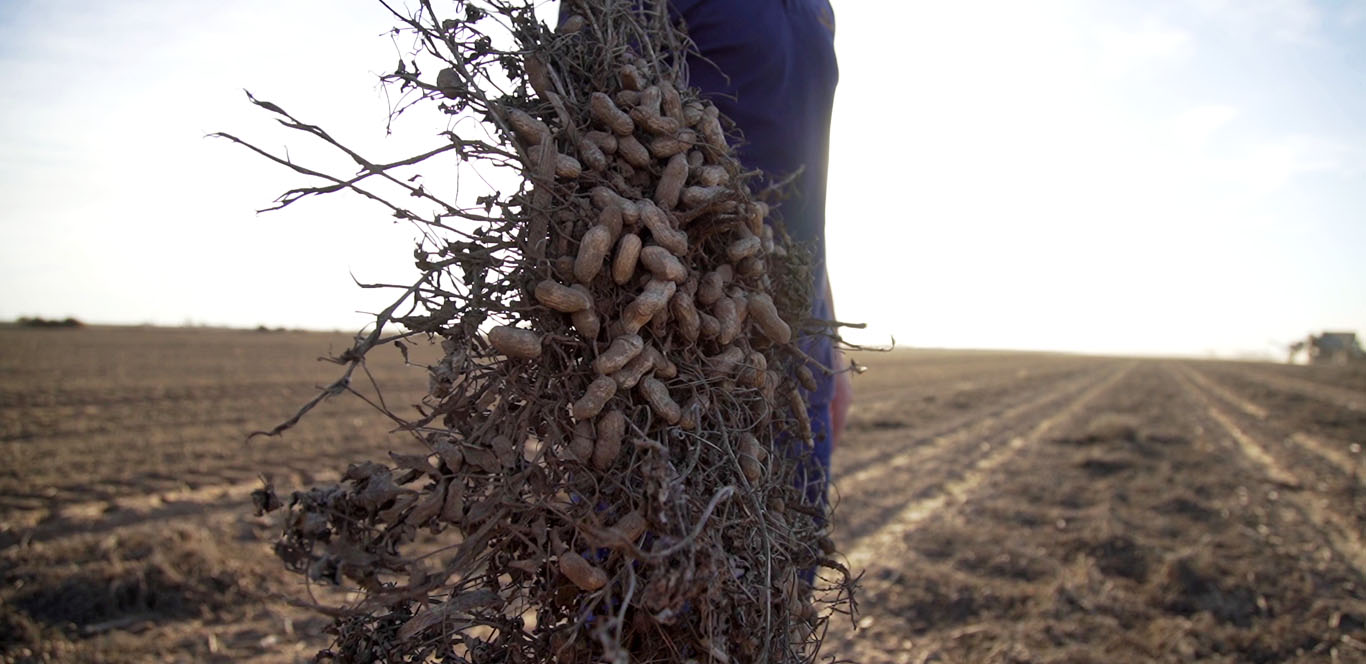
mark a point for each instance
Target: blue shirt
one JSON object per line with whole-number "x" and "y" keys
{"x": 769, "y": 65}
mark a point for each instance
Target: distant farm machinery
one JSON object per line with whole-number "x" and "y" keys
{"x": 1328, "y": 348}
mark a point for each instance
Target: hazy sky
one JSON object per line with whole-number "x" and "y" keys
{"x": 1120, "y": 176}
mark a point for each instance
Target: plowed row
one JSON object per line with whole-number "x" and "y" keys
{"x": 1006, "y": 507}
{"x": 1160, "y": 511}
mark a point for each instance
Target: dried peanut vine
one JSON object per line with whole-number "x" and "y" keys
{"x": 618, "y": 430}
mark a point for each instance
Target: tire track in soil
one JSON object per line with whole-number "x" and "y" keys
{"x": 1346, "y": 461}
{"x": 1343, "y": 537}
{"x": 971, "y": 375}
{"x": 1166, "y": 547}
{"x": 878, "y": 445}
{"x": 76, "y": 518}
{"x": 1338, "y": 453}
{"x": 1338, "y": 396}
{"x": 120, "y": 468}
{"x": 952, "y": 489}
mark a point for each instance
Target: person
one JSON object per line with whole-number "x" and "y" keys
{"x": 770, "y": 66}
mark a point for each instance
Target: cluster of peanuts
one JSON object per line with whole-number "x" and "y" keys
{"x": 620, "y": 460}
{"x": 662, "y": 254}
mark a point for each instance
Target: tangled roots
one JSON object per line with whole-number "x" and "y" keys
{"x": 618, "y": 434}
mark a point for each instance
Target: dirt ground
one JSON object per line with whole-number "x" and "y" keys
{"x": 1004, "y": 507}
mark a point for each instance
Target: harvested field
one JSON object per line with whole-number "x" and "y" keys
{"x": 1007, "y": 507}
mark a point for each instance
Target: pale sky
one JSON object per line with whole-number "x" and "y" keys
{"x": 1126, "y": 176}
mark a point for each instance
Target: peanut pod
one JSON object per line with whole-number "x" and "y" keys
{"x": 622, "y": 350}
{"x": 751, "y": 457}
{"x": 692, "y": 414}
{"x": 755, "y": 214}
{"x": 607, "y": 142}
{"x": 593, "y": 249}
{"x": 582, "y": 573}
{"x": 627, "y": 98}
{"x": 653, "y": 122}
{"x": 696, "y": 197}
{"x": 630, "y": 77}
{"x": 581, "y": 444}
{"x": 568, "y": 167}
{"x": 710, "y": 127}
{"x": 657, "y": 395}
{"x": 659, "y": 323}
{"x": 604, "y": 198}
{"x": 628, "y": 253}
{"x": 611, "y": 431}
{"x": 563, "y": 266}
{"x": 629, "y": 528}
{"x": 711, "y": 176}
{"x": 798, "y": 407}
{"x": 671, "y": 181}
{"x": 561, "y": 298}
{"x": 726, "y": 315}
{"x": 755, "y": 370}
{"x": 692, "y": 113}
{"x": 530, "y": 130}
{"x": 592, "y": 155}
{"x": 665, "y": 147}
{"x": 586, "y": 322}
{"x": 664, "y": 234}
{"x": 663, "y": 368}
{"x": 634, "y": 370}
{"x": 650, "y": 99}
{"x": 633, "y": 152}
{"x": 685, "y": 314}
{"x": 671, "y": 104}
{"x": 741, "y": 301}
{"x": 515, "y": 342}
{"x": 709, "y": 289}
{"x": 594, "y": 398}
{"x": 743, "y": 248}
{"x": 751, "y": 266}
{"x": 663, "y": 264}
{"x": 605, "y": 111}
{"x": 640, "y": 310}
{"x": 538, "y": 74}
{"x": 723, "y": 363}
{"x": 765, "y": 315}
{"x": 708, "y": 327}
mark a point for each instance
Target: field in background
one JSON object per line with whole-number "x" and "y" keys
{"x": 1004, "y": 506}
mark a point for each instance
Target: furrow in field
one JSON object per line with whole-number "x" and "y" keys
{"x": 975, "y": 425}
{"x": 865, "y": 548}
{"x": 1346, "y": 456}
{"x": 1209, "y": 384}
{"x": 1248, "y": 439}
{"x": 1337, "y": 453}
{"x": 879, "y": 431}
{"x": 905, "y": 379}
{"x": 84, "y": 518}
{"x": 1345, "y": 398}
